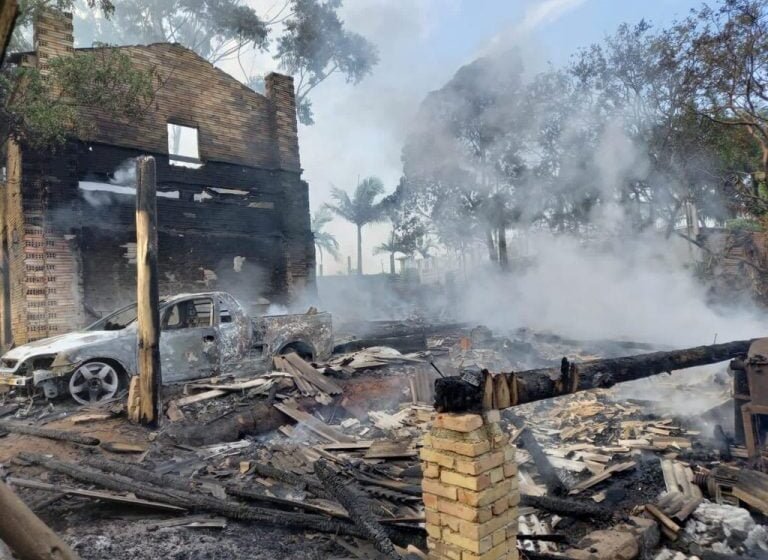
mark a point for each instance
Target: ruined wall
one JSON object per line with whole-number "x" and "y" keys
{"x": 240, "y": 222}
{"x": 233, "y": 240}
{"x": 44, "y": 288}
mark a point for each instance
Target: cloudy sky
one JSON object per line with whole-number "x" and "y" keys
{"x": 360, "y": 129}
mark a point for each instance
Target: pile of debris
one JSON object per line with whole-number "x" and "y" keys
{"x": 332, "y": 450}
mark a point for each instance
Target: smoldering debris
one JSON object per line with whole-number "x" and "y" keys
{"x": 240, "y": 454}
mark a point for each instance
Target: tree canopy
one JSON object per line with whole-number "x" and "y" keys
{"x": 626, "y": 135}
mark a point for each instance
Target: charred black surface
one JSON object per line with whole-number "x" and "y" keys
{"x": 453, "y": 394}
{"x": 562, "y": 506}
{"x": 358, "y": 506}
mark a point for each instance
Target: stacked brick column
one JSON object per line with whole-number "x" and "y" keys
{"x": 470, "y": 489}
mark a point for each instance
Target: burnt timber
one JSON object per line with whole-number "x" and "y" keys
{"x": 454, "y": 394}
{"x": 8, "y": 11}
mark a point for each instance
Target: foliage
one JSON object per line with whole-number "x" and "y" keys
{"x": 43, "y": 109}
{"x": 743, "y": 224}
{"x": 307, "y": 38}
{"x": 626, "y": 135}
{"x": 324, "y": 240}
{"x": 361, "y": 209}
{"x": 316, "y": 45}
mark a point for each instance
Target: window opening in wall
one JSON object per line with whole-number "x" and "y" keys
{"x": 183, "y": 148}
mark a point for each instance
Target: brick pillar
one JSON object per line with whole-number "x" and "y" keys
{"x": 470, "y": 489}
{"x": 298, "y": 239}
{"x": 52, "y": 36}
{"x": 279, "y": 90}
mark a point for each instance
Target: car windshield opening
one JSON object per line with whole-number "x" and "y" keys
{"x": 117, "y": 320}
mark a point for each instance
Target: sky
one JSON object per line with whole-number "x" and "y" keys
{"x": 360, "y": 129}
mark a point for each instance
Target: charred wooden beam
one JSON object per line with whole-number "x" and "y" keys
{"x": 8, "y": 12}
{"x": 564, "y": 506}
{"x": 147, "y": 292}
{"x": 458, "y": 395}
{"x": 26, "y": 535}
{"x": 47, "y": 433}
{"x": 194, "y": 500}
{"x": 358, "y": 506}
{"x": 547, "y": 472}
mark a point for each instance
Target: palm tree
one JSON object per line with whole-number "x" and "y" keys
{"x": 360, "y": 210}
{"x": 324, "y": 240}
{"x": 394, "y": 245}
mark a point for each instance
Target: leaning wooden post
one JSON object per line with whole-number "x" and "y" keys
{"x": 8, "y": 12}
{"x": 147, "y": 387}
{"x": 25, "y": 534}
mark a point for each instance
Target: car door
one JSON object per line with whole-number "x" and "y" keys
{"x": 234, "y": 332}
{"x": 189, "y": 342}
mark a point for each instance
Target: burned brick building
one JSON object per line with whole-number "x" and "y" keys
{"x": 233, "y": 211}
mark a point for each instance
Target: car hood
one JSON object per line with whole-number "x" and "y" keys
{"x": 62, "y": 343}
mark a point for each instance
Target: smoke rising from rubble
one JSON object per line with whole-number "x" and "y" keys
{"x": 611, "y": 281}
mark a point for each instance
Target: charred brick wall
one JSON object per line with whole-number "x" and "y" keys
{"x": 239, "y": 222}
{"x": 221, "y": 226}
{"x": 44, "y": 292}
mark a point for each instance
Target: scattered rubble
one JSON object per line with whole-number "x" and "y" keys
{"x": 327, "y": 455}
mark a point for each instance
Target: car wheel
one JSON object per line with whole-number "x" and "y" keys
{"x": 94, "y": 382}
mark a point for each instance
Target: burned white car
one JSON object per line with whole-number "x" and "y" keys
{"x": 202, "y": 335}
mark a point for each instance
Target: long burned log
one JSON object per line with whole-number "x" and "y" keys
{"x": 359, "y": 508}
{"x": 547, "y": 472}
{"x": 455, "y": 395}
{"x": 565, "y": 506}
{"x": 26, "y": 534}
{"x": 47, "y": 433}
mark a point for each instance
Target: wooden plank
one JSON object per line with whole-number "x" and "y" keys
{"x": 584, "y": 484}
{"x": 106, "y": 496}
{"x": 122, "y": 447}
{"x": 670, "y": 481}
{"x": 204, "y": 396}
{"x": 663, "y": 519}
{"x": 304, "y": 386}
{"x": 242, "y": 386}
{"x": 355, "y": 446}
{"x": 87, "y": 418}
{"x": 311, "y": 374}
{"x": 313, "y": 424}
{"x": 384, "y": 449}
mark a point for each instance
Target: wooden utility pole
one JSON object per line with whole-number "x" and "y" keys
{"x": 146, "y": 389}
{"x": 8, "y": 11}
{"x": 25, "y": 534}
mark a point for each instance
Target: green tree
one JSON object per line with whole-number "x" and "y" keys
{"x": 42, "y": 110}
{"x": 465, "y": 153}
{"x": 307, "y": 38}
{"x": 325, "y": 241}
{"x": 360, "y": 209}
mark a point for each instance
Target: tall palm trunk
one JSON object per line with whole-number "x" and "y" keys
{"x": 391, "y": 262}
{"x": 320, "y": 250}
{"x": 492, "y": 254}
{"x": 503, "y": 257}
{"x": 359, "y": 248}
